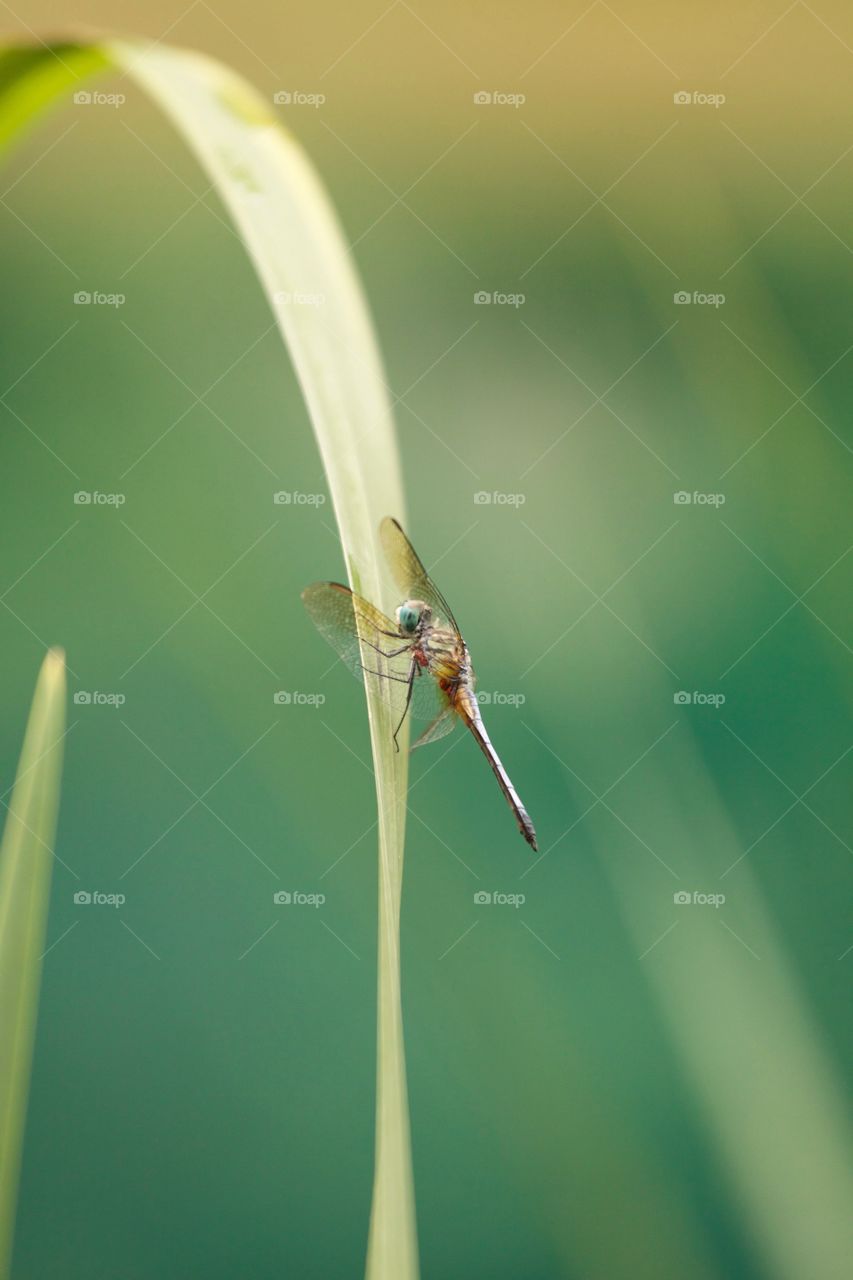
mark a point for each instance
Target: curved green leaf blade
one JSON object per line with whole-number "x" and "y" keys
{"x": 292, "y": 237}
{"x": 26, "y": 860}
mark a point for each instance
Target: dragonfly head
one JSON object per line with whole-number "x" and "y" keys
{"x": 412, "y": 615}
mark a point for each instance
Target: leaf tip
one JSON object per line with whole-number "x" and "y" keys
{"x": 53, "y": 667}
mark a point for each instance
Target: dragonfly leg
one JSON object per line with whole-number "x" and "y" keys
{"x": 383, "y": 675}
{"x": 414, "y": 669}
{"x": 388, "y": 653}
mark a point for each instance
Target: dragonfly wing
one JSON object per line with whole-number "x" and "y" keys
{"x": 429, "y": 700}
{"x": 409, "y": 573}
{"x": 358, "y": 632}
{"x": 366, "y": 640}
{"x": 444, "y": 723}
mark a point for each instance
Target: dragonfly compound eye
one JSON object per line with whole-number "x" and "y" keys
{"x": 408, "y": 618}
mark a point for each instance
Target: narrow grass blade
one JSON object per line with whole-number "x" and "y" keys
{"x": 26, "y": 858}
{"x": 292, "y": 237}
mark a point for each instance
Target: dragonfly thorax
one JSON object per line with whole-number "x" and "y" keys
{"x": 412, "y": 616}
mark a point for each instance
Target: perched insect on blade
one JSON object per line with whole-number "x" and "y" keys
{"x": 418, "y": 662}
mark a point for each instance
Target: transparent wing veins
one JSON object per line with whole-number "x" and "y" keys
{"x": 371, "y": 646}
{"x": 409, "y": 573}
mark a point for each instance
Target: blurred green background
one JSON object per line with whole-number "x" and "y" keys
{"x": 604, "y": 1081}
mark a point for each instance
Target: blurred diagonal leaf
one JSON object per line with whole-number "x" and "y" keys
{"x": 25, "y": 866}
{"x": 34, "y": 77}
{"x": 293, "y": 240}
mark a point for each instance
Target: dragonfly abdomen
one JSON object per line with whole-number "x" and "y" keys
{"x": 522, "y": 817}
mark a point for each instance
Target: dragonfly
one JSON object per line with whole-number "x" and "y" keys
{"x": 417, "y": 661}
